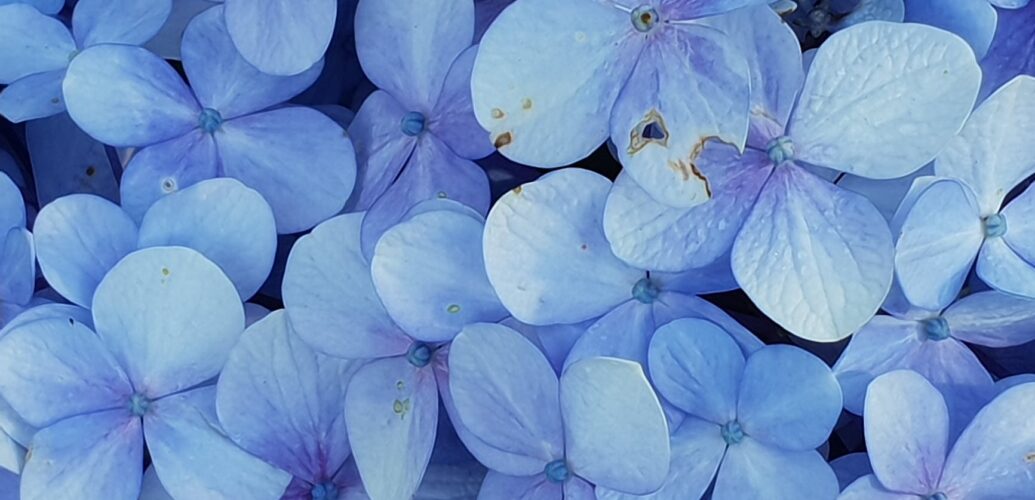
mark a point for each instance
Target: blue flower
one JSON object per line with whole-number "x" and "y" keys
{"x": 35, "y": 50}
{"x": 223, "y": 127}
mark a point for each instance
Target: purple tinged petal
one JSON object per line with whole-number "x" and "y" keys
{"x": 907, "y": 432}
{"x": 452, "y": 121}
{"x": 31, "y": 42}
{"x": 281, "y": 38}
{"x": 129, "y": 22}
{"x": 126, "y": 96}
{"x": 499, "y": 486}
{"x": 382, "y": 149}
{"x": 33, "y": 97}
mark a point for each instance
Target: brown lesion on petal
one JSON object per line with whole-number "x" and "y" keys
{"x": 516, "y": 191}
{"x": 503, "y": 140}
{"x": 1030, "y": 458}
{"x": 688, "y": 169}
{"x": 498, "y": 113}
{"x": 650, "y": 130}
{"x": 526, "y": 104}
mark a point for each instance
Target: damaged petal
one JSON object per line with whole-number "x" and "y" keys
{"x": 502, "y": 140}
{"x": 651, "y": 129}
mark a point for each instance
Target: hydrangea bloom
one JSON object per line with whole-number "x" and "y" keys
{"x": 165, "y": 321}
{"x": 221, "y": 127}
{"x": 913, "y": 456}
{"x": 599, "y": 424}
{"x": 35, "y": 50}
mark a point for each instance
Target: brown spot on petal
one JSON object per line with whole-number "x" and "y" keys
{"x": 526, "y": 104}
{"x": 651, "y": 129}
{"x": 498, "y": 113}
{"x": 502, "y": 140}
{"x": 1029, "y": 458}
{"x": 517, "y": 190}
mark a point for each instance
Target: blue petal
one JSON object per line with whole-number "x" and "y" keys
{"x": 407, "y": 48}
{"x": 873, "y": 10}
{"x": 49, "y": 359}
{"x": 170, "y": 316}
{"x": 31, "y": 42}
{"x": 35, "y": 96}
{"x": 12, "y": 207}
{"x": 992, "y": 319}
{"x": 854, "y": 114}
{"x": 973, "y": 20}
{"x": 545, "y": 248}
{"x": 848, "y": 468}
{"x": 1011, "y": 53}
{"x": 194, "y": 459}
{"x": 392, "y": 443}
{"x": 452, "y": 121}
{"x": 301, "y": 427}
{"x": 694, "y": 9}
{"x": 1002, "y": 268}
{"x": 382, "y": 149}
{"x": 616, "y": 435}
{"x": 78, "y": 239}
{"x": 126, "y": 96}
{"x": 291, "y": 154}
{"x": 228, "y": 223}
{"x": 65, "y": 160}
{"x": 499, "y": 486}
{"x": 752, "y": 469}
{"x": 17, "y": 266}
{"x": 442, "y": 252}
{"x": 130, "y": 22}
{"x": 788, "y": 398}
{"x": 223, "y": 80}
{"x": 167, "y": 42}
{"x": 883, "y": 345}
{"x": 907, "y": 432}
{"x": 832, "y": 250}
{"x": 869, "y": 488}
{"x": 281, "y": 38}
{"x": 1020, "y": 228}
{"x": 98, "y": 456}
{"x": 151, "y": 487}
{"x": 49, "y": 7}
{"x": 506, "y": 393}
{"x": 327, "y": 284}
{"x": 674, "y": 103}
{"x": 166, "y": 167}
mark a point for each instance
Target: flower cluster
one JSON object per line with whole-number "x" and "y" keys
{"x": 517, "y": 249}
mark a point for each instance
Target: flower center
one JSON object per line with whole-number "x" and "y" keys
{"x": 557, "y": 471}
{"x": 412, "y": 123}
{"x": 936, "y": 329}
{"x": 732, "y": 433}
{"x": 139, "y": 404}
{"x": 419, "y": 354}
{"x": 995, "y": 226}
{"x": 210, "y": 120}
{"x": 780, "y": 150}
{"x": 644, "y": 18}
{"x": 324, "y": 491}
{"x": 645, "y": 291}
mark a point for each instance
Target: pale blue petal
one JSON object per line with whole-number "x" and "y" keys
{"x": 382, "y": 149}
{"x": 35, "y": 96}
{"x": 291, "y": 154}
{"x": 65, "y": 160}
{"x": 883, "y": 345}
{"x": 907, "y": 432}
{"x": 281, "y": 38}
{"x": 697, "y": 366}
{"x": 327, "y": 284}
{"x": 407, "y": 49}
{"x": 441, "y": 251}
{"x": 452, "y": 120}
{"x": 193, "y": 457}
{"x": 165, "y": 168}
{"x": 499, "y": 486}
{"x": 12, "y": 207}
{"x": 973, "y": 20}
{"x": 506, "y": 394}
{"x": 285, "y": 403}
{"x": 616, "y": 435}
{"x": 869, "y": 488}
{"x": 170, "y": 316}
{"x": 223, "y": 80}
{"x": 49, "y": 359}
{"x": 624, "y": 333}
{"x": 854, "y": 114}
{"x": 545, "y": 246}
{"x": 547, "y": 76}
{"x": 17, "y": 266}
{"x": 992, "y": 154}
{"x": 98, "y": 457}
{"x": 126, "y": 96}
{"x": 78, "y": 239}
{"x": 130, "y": 22}
{"x": 49, "y": 7}
{"x": 1020, "y": 224}
{"x": 992, "y": 319}
{"x": 12, "y": 459}
{"x": 751, "y": 469}
{"x": 151, "y": 487}
{"x": 816, "y": 259}
{"x": 392, "y": 442}
{"x": 690, "y": 86}
{"x": 693, "y": 9}
{"x": 1002, "y": 268}
{"x": 228, "y": 223}
{"x": 31, "y": 42}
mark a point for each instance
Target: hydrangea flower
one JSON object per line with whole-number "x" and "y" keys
{"x": 166, "y": 319}
{"x": 404, "y": 329}
{"x": 223, "y": 126}
{"x": 80, "y": 237}
{"x": 415, "y": 137}
{"x": 932, "y": 344}
{"x": 36, "y": 50}
{"x": 549, "y": 262}
{"x": 913, "y": 456}
{"x": 753, "y": 423}
{"x": 1011, "y": 53}
{"x": 17, "y": 253}
{"x": 817, "y": 259}
{"x": 599, "y": 425}
{"x": 281, "y": 38}
{"x": 283, "y": 402}
{"x": 552, "y": 81}
{"x": 944, "y": 225}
